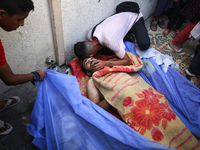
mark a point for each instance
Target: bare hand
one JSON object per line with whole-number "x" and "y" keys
{"x": 98, "y": 65}
{"x": 42, "y": 74}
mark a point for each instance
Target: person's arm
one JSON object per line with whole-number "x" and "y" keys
{"x": 99, "y": 64}
{"x": 9, "y": 78}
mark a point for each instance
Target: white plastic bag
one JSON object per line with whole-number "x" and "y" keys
{"x": 196, "y": 31}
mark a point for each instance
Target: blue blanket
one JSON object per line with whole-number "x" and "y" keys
{"x": 64, "y": 119}
{"x": 182, "y": 95}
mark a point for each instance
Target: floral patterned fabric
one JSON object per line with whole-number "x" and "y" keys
{"x": 142, "y": 107}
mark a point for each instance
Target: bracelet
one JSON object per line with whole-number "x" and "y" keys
{"x": 36, "y": 77}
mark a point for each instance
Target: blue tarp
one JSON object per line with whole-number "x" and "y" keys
{"x": 182, "y": 95}
{"x": 64, "y": 119}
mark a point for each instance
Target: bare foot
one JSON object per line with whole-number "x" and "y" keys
{"x": 9, "y": 102}
{"x": 3, "y": 103}
{"x": 5, "y": 128}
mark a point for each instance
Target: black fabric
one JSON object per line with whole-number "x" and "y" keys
{"x": 191, "y": 10}
{"x": 141, "y": 34}
{"x": 174, "y": 17}
{"x": 195, "y": 66}
{"x": 128, "y": 7}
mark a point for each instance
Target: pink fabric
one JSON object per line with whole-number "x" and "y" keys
{"x": 184, "y": 34}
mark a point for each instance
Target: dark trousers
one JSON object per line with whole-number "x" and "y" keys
{"x": 174, "y": 17}
{"x": 195, "y": 66}
{"x": 141, "y": 34}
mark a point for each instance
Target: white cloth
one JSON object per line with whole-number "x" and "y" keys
{"x": 196, "y": 31}
{"x": 160, "y": 59}
{"x": 113, "y": 29}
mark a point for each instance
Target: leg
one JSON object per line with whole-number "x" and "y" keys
{"x": 104, "y": 104}
{"x": 141, "y": 34}
{"x": 95, "y": 96}
{"x": 184, "y": 34}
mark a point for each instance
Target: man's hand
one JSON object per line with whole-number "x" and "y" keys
{"x": 42, "y": 74}
{"x": 98, "y": 65}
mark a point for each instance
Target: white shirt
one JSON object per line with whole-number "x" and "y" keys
{"x": 113, "y": 29}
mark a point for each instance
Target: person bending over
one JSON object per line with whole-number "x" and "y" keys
{"x": 111, "y": 32}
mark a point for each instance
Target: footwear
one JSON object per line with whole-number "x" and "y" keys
{"x": 166, "y": 32}
{"x": 161, "y": 23}
{"x": 188, "y": 73}
{"x": 154, "y": 24}
{"x": 179, "y": 51}
{"x": 176, "y": 31}
{"x": 9, "y": 102}
{"x": 5, "y": 128}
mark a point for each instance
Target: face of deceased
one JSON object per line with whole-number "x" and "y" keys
{"x": 87, "y": 64}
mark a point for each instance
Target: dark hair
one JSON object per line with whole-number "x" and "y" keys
{"x": 84, "y": 70}
{"x": 16, "y": 6}
{"x": 80, "y": 50}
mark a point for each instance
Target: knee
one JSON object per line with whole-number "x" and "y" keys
{"x": 144, "y": 46}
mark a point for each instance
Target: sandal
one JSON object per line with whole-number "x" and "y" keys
{"x": 5, "y": 128}
{"x": 166, "y": 32}
{"x": 161, "y": 24}
{"x": 9, "y": 103}
{"x": 176, "y": 31}
{"x": 154, "y": 24}
{"x": 188, "y": 73}
{"x": 180, "y": 50}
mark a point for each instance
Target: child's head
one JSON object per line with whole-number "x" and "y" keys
{"x": 13, "y": 13}
{"x": 16, "y": 6}
{"x": 86, "y": 65}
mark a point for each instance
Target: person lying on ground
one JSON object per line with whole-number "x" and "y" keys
{"x": 93, "y": 93}
{"x": 12, "y": 16}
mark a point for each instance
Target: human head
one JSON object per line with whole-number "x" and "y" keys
{"x": 83, "y": 49}
{"x": 13, "y": 13}
{"x": 16, "y": 6}
{"x": 86, "y": 65}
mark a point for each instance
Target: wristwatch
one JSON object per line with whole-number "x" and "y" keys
{"x": 36, "y": 77}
